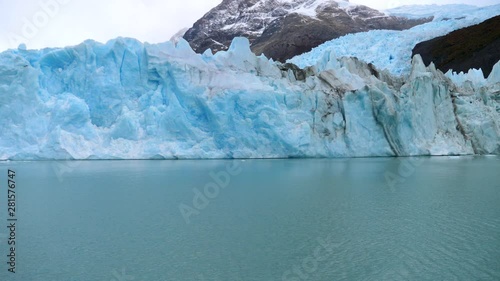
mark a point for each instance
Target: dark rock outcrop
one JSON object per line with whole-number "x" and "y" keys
{"x": 284, "y": 29}
{"x": 476, "y": 46}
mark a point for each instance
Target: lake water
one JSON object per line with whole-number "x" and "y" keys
{"x": 341, "y": 219}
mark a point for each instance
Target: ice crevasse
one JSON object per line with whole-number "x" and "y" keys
{"x": 129, "y": 100}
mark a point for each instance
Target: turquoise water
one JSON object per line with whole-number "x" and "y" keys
{"x": 341, "y": 219}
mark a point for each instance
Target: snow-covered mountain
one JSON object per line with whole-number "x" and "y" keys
{"x": 282, "y": 29}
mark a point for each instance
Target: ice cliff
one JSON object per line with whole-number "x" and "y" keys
{"x": 128, "y": 100}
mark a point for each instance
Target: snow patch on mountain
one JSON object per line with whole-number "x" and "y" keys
{"x": 439, "y": 12}
{"x": 310, "y": 8}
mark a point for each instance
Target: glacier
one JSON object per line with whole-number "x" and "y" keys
{"x": 392, "y": 49}
{"x": 131, "y": 100}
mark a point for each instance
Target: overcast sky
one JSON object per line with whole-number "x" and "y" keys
{"x": 56, "y": 23}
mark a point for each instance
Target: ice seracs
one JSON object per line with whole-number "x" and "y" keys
{"x": 392, "y": 49}
{"x": 128, "y": 100}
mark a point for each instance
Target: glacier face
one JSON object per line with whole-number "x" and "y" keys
{"x": 392, "y": 49}
{"x": 128, "y": 100}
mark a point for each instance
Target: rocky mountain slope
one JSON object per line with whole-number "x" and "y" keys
{"x": 472, "y": 47}
{"x": 282, "y": 29}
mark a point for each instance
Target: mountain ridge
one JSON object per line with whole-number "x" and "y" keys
{"x": 282, "y": 29}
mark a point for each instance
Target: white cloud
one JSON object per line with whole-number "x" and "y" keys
{"x": 72, "y": 21}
